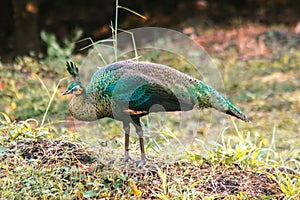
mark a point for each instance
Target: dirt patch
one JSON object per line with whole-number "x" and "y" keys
{"x": 52, "y": 152}
{"x": 206, "y": 180}
{"x": 250, "y": 40}
{"x": 156, "y": 178}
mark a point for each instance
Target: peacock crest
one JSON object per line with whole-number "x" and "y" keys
{"x": 73, "y": 70}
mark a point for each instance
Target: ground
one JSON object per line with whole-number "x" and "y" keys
{"x": 155, "y": 179}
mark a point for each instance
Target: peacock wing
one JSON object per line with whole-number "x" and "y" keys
{"x": 142, "y": 96}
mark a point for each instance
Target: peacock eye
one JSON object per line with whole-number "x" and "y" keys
{"x": 76, "y": 88}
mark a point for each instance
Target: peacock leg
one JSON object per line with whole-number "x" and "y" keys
{"x": 139, "y": 131}
{"x": 126, "y": 128}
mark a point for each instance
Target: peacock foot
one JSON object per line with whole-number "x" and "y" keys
{"x": 126, "y": 158}
{"x": 141, "y": 162}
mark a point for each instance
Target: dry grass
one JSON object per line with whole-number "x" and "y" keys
{"x": 79, "y": 173}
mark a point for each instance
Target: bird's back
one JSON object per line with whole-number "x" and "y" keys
{"x": 151, "y": 72}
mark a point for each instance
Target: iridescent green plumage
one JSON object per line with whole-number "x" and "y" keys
{"x": 127, "y": 90}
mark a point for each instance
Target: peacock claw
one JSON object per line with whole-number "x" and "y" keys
{"x": 126, "y": 159}
{"x": 141, "y": 162}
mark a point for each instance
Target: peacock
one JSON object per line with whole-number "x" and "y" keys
{"x": 127, "y": 90}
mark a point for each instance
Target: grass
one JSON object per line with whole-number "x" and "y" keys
{"x": 265, "y": 153}
{"x": 37, "y": 164}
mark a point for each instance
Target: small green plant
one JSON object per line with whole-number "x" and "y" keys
{"x": 12, "y": 131}
{"x": 57, "y": 51}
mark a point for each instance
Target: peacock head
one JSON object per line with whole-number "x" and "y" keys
{"x": 75, "y": 88}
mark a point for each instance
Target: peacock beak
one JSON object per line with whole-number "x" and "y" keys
{"x": 67, "y": 92}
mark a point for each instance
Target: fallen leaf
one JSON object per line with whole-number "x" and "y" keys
{"x": 134, "y": 188}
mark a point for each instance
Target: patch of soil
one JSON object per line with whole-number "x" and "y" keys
{"x": 52, "y": 152}
{"x": 209, "y": 181}
{"x": 158, "y": 177}
{"x": 250, "y": 40}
